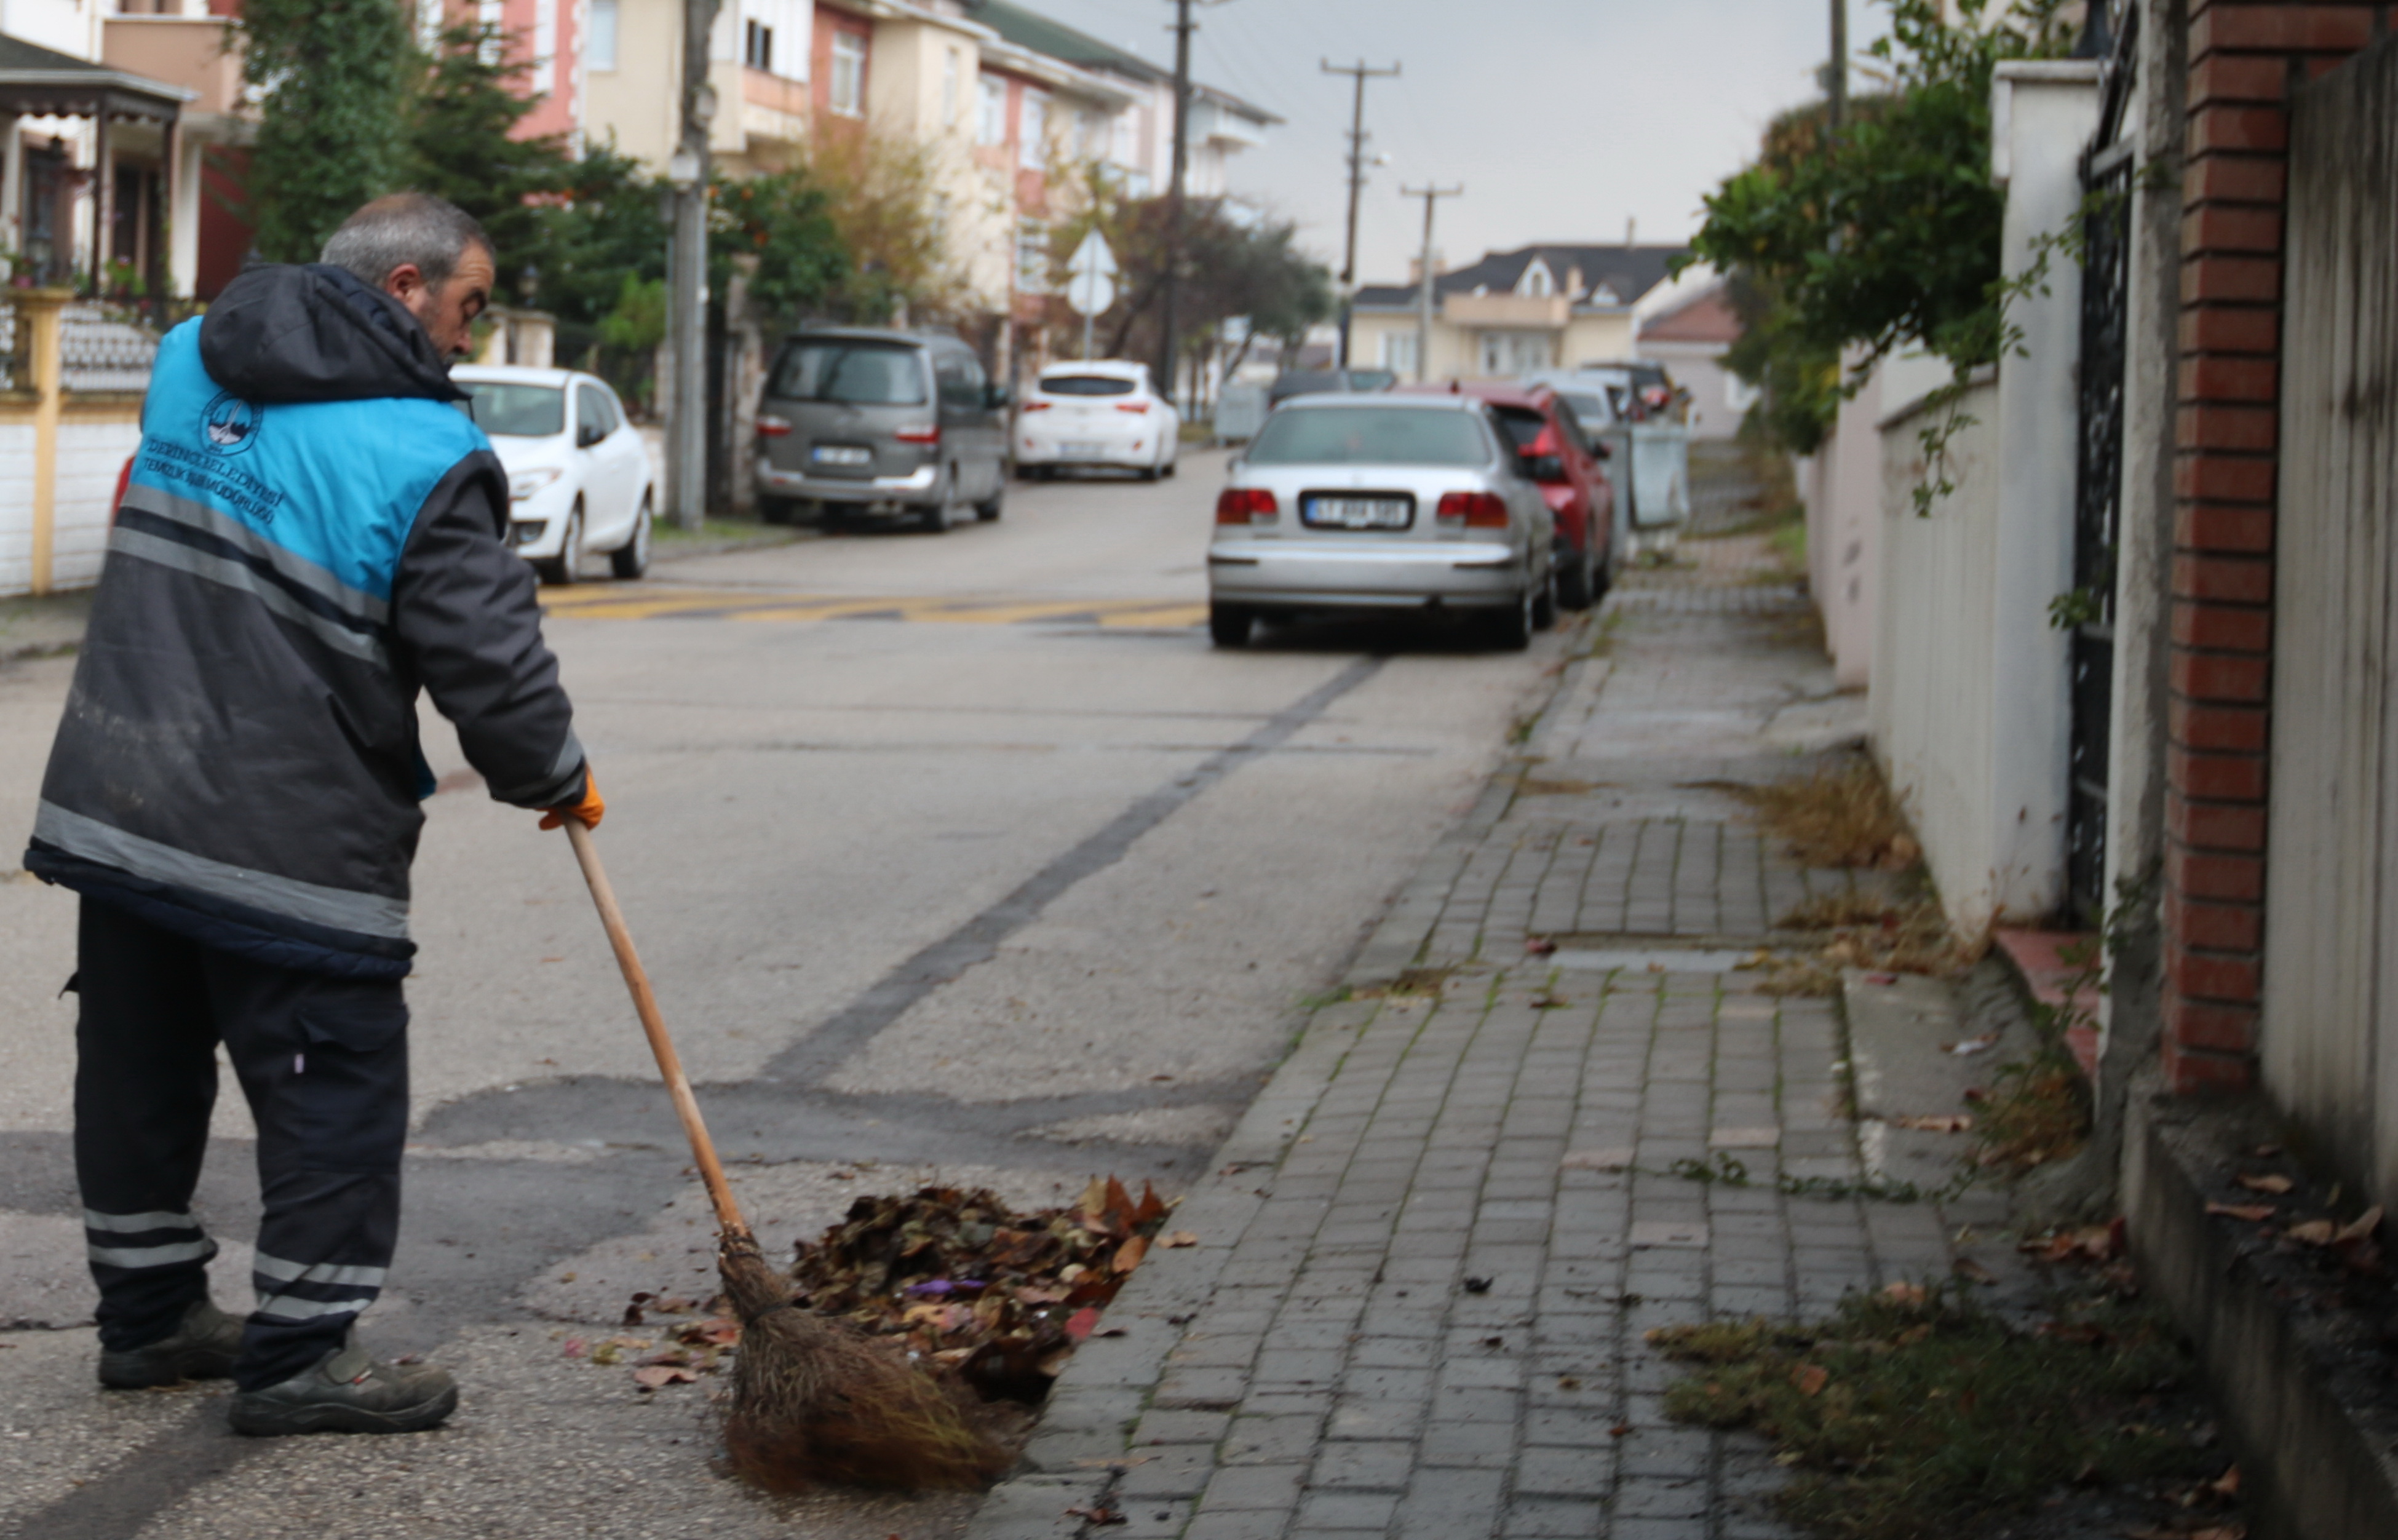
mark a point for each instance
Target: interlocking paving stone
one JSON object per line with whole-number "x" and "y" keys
{"x": 1437, "y": 1240}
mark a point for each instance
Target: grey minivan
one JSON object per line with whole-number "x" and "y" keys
{"x": 880, "y": 423}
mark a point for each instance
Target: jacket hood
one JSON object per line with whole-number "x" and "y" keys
{"x": 318, "y": 333}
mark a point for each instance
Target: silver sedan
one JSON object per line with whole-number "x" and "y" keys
{"x": 1392, "y": 503}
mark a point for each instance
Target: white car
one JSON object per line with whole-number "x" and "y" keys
{"x": 579, "y": 480}
{"x": 1098, "y": 412}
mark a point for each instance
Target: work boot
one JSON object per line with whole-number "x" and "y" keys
{"x": 349, "y": 1392}
{"x": 201, "y": 1348}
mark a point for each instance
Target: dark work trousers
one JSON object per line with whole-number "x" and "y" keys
{"x": 324, "y": 1063}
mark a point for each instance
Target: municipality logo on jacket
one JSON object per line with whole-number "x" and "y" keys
{"x": 229, "y": 424}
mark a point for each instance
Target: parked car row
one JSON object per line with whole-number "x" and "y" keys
{"x": 1487, "y": 500}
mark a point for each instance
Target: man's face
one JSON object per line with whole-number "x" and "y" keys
{"x": 446, "y": 311}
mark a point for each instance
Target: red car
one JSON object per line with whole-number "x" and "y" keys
{"x": 1572, "y": 482}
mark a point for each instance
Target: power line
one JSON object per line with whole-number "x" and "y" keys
{"x": 1360, "y": 72}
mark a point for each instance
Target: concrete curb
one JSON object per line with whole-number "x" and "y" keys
{"x": 2317, "y": 1459}
{"x": 1081, "y": 1451}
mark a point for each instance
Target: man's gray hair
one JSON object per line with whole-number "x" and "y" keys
{"x": 405, "y": 229}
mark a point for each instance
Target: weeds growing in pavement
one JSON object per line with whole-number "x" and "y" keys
{"x": 2039, "y": 1109}
{"x": 1729, "y": 1170}
{"x": 1839, "y": 815}
{"x": 1868, "y": 930}
{"x": 1915, "y": 1412}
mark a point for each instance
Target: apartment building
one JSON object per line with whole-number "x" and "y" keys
{"x": 1535, "y": 307}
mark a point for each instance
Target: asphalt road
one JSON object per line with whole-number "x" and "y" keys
{"x": 960, "y": 854}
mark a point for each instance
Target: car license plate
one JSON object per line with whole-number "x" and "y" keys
{"x": 842, "y": 454}
{"x": 1080, "y": 450}
{"x": 1359, "y": 513}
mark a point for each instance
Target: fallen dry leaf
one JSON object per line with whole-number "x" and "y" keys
{"x": 2361, "y": 1227}
{"x": 1095, "y": 1515}
{"x": 2252, "y": 1213}
{"x": 1967, "y": 1268}
{"x": 1972, "y": 1045}
{"x": 1811, "y": 1378}
{"x": 1935, "y": 1123}
{"x": 658, "y": 1376}
{"x": 2226, "y": 1485}
{"x": 1538, "y": 946}
{"x": 1909, "y": 1294}
{"x": 2268, "y": 1181}
{"x": 1178, "y": 1237}
{"x": 2314, "y": 1232}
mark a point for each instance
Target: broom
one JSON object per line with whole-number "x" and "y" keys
{"x": 814, "y": 1401}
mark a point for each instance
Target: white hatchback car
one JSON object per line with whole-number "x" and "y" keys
{"x": 579, "y": 480}
{"x": 1099, "y": 413}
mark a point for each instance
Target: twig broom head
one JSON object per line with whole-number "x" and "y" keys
{"x": 818, "y": 1403}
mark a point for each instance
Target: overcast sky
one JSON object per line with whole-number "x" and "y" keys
{"x": 1563, "y": 118}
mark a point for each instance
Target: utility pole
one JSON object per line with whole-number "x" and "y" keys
{"x": 1836, "y": 85}
{"x": 1361, "y": 72}
{"x": 1183, "y": 27}
{"x": 687, "y": 265}
{"x": 1423, "y": 276}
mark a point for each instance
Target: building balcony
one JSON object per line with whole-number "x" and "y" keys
{"x": 1516, "y": 312}
{"x": 199, "y": 53}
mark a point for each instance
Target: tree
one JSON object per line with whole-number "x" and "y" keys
{"x": 781, "y": 227}
{"x": 1230, "y": 266}
{"x": 334, "y": 73}
{"x": 879, "y": 191}
{"x": 1888, "y": 235}
{"x": 606, "y": 229}
{"x": 463, "y": 145}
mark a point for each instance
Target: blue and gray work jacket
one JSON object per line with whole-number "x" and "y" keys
{"x": 312, "y": 532}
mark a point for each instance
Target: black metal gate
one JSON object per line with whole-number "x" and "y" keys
{"x": 2107, "y": 179}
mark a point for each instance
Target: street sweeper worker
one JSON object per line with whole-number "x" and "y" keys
{"x": 312, "y": 532}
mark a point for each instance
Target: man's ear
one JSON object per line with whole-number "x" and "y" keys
{"x": 404, "y": 282}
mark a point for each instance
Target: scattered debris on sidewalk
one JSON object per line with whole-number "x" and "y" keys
{"x": 1916, "y": 1411}
{"x": 1840, "y": 815}
{"x": 1870, "y": 931}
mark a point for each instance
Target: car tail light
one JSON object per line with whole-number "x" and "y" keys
{"x": 929, "y": 433}
{"x": 1471, "y": 510}
{"x": 1246, "y": 505}
{"x": 1034, "y": 406}
{"x": 773, "y": 427}
{"x": 1132, "y": 406}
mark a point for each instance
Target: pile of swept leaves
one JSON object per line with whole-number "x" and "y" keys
{"x": 998, "y": 1297}
{"x": 1914, "y": 1412}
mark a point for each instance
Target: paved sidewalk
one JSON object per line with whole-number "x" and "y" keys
{"x": 1429, "y": 1254}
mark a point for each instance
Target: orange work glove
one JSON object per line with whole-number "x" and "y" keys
{"x": 586, "y": 812}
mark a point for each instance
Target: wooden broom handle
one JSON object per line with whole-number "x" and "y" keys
{"x": 645, "y": 1001}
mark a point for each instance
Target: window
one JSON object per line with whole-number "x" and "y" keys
{"x": 1095, "y": 137}
{"x": 519, "y": 411}
{"x": 545, "y": 39}
{"x": 595, "y": 415}
{"x": 1033, "y": 130}
{"x": 1086, "y": 385}
{"x": 990, "y": 110}
{"x": 1123, "y": 151}
{"x": 757, "y": 46}
{"x": 1538, "y": 282}
{"x": 856, "y": 372}
{"x": 849, "y": 75}
{"x": 962, "y": 383}
{"x": 952, "y": 70}
{"x": 1031, "y": 257}
{"x": 1399, "y": 353}
{"x": 600, "y": 47}
{"x": 1370, "y": 435}
{"x": 1517, "y": 352}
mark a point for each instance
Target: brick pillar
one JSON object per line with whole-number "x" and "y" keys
{"x": 2245, "y": 59}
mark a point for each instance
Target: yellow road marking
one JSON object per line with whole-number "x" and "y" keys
{"x": 613, "y": 603}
